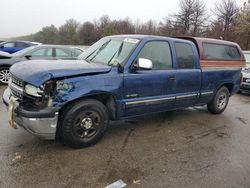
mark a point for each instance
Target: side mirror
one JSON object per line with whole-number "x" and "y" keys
{"x": 144, "y": 64}
{"x": 28, "y": 57}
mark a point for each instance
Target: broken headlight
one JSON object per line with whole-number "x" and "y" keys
{"x": 33, "y": 91}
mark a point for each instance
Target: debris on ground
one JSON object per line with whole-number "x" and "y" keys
{"x": 117, "y": 184}
{"x": 138, "y": 182}
{"x": 17, "y": 157}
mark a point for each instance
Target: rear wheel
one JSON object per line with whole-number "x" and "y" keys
{"x": 219, "y": 102}
{"x": 84, "y": 124}
{"x": 4, "y": 75}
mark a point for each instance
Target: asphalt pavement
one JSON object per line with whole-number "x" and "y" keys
{"x": 184, "y": 148}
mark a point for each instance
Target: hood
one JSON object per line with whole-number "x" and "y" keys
{"x": 36, "y": 72}
{"x": 5, "y": 55}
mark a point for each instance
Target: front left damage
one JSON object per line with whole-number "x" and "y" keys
{"x": 32, "y": 107}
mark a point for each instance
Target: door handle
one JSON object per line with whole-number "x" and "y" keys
{"x": 171, "y": 77}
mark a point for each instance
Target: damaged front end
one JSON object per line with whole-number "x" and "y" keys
{"x": 32, "y": 107}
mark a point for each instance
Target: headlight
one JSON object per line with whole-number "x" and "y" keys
{"x": 34, "y": 91}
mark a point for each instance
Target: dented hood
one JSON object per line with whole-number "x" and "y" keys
{"x": 36, "y": 72}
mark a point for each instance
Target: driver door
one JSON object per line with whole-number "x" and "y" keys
{"x": 148, "y": 91}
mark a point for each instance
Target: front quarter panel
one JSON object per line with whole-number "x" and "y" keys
{"x": 109, "y": 83}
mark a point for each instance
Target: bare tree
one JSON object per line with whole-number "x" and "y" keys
{"x": 68, "y": 32}
{"x": 185, "y": 15}
{"x": 124, "y": 26}
{"x": 242, "y": 26}
{"x": 166, "y": 28}
{"x": 147, "y": 28}
{"x": 191, "y": 17}
{"x": 225, "y": 11}
{"x": 199, "y": 17}
{"x": 87, "y": 33}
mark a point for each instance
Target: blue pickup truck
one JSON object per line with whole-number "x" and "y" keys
{"x": 120, "y": 77}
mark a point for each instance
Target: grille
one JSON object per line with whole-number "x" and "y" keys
{"x": 17, "y": 81}
{"x": 16, "y": 86}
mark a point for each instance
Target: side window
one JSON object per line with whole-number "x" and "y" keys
{"x": 184, "y": 56}
{"x": 9, "y": 45}
{"x": 42, "y": 52}
{"x": 21, "y": 45}
{"x": 78, "y": 52}
{"x": 220, "y": 52}
{"x": 159, "y": 53}
{"x": 63, "y": 53}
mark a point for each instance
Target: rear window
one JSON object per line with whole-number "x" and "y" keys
{"x": 20, "y": 45}
{"x": 221, "y": 52}
{"x": 184, "y": 55}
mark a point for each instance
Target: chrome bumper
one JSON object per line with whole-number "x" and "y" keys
{"x": 39, "y": 125}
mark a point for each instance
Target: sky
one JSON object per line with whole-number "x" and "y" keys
{"x": 22, "y": 17}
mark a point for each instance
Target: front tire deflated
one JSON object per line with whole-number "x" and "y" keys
{"x": 83, "y": 124}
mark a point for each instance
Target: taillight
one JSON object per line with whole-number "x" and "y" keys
{"x": 241, "y": 78}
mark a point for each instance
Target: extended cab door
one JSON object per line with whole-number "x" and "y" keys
{"x": 187, "y": 75}
{"x": 148, "y": 91}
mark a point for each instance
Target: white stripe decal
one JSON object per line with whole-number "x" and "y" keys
{"x": 150, "y": 100}
{"x": 207, "y": 93}
{"x": 138, "y": 102}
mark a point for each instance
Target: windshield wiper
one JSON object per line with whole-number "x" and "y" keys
{"x": 118, "y": 53}
{"x": 98, "y": 51}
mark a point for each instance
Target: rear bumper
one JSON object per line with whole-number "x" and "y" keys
{"x": 41, "y": 123}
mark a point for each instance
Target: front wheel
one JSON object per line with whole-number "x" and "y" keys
{"x": 83, "y": 124}
{"x": 219, "y": 102}
{"x": 4, "y": 75}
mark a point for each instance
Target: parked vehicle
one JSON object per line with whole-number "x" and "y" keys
{"x": 4, "y": 55}
{"x": 245, "y": 86}
{"x": 247, "y": 57}
{"x": 49, "y": 52}
{"x": 14, "y": 46}
{"x": 121, "y": 77}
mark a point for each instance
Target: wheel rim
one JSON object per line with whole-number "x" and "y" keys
{"x": 222, "y": 101}
{"x": 86, "y": 124}
{"x": 4, "y": 76}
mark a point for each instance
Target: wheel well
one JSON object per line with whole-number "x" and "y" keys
{"x": 229, "y": 86}
{"x": 5, "y": 66}
{"x": 107, "y": 99}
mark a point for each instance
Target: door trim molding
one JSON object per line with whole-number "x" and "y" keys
{"x": 166, "y": 99}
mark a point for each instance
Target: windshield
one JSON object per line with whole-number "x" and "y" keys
{"x": 23, "y": 52}
{"x": 110, "y": 51}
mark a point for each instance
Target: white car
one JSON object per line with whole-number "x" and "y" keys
{"x": 4, "y": 54}
{"x": 245, "y": 87}
{"x": 247, "y": 56}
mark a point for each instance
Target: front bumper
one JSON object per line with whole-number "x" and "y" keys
{"x": 41, "y": 123}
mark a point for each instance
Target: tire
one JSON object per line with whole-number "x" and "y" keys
{"x": 4, "y": 75}
{"x": 219, "y": 102}
{"x": 83, "y": 124}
